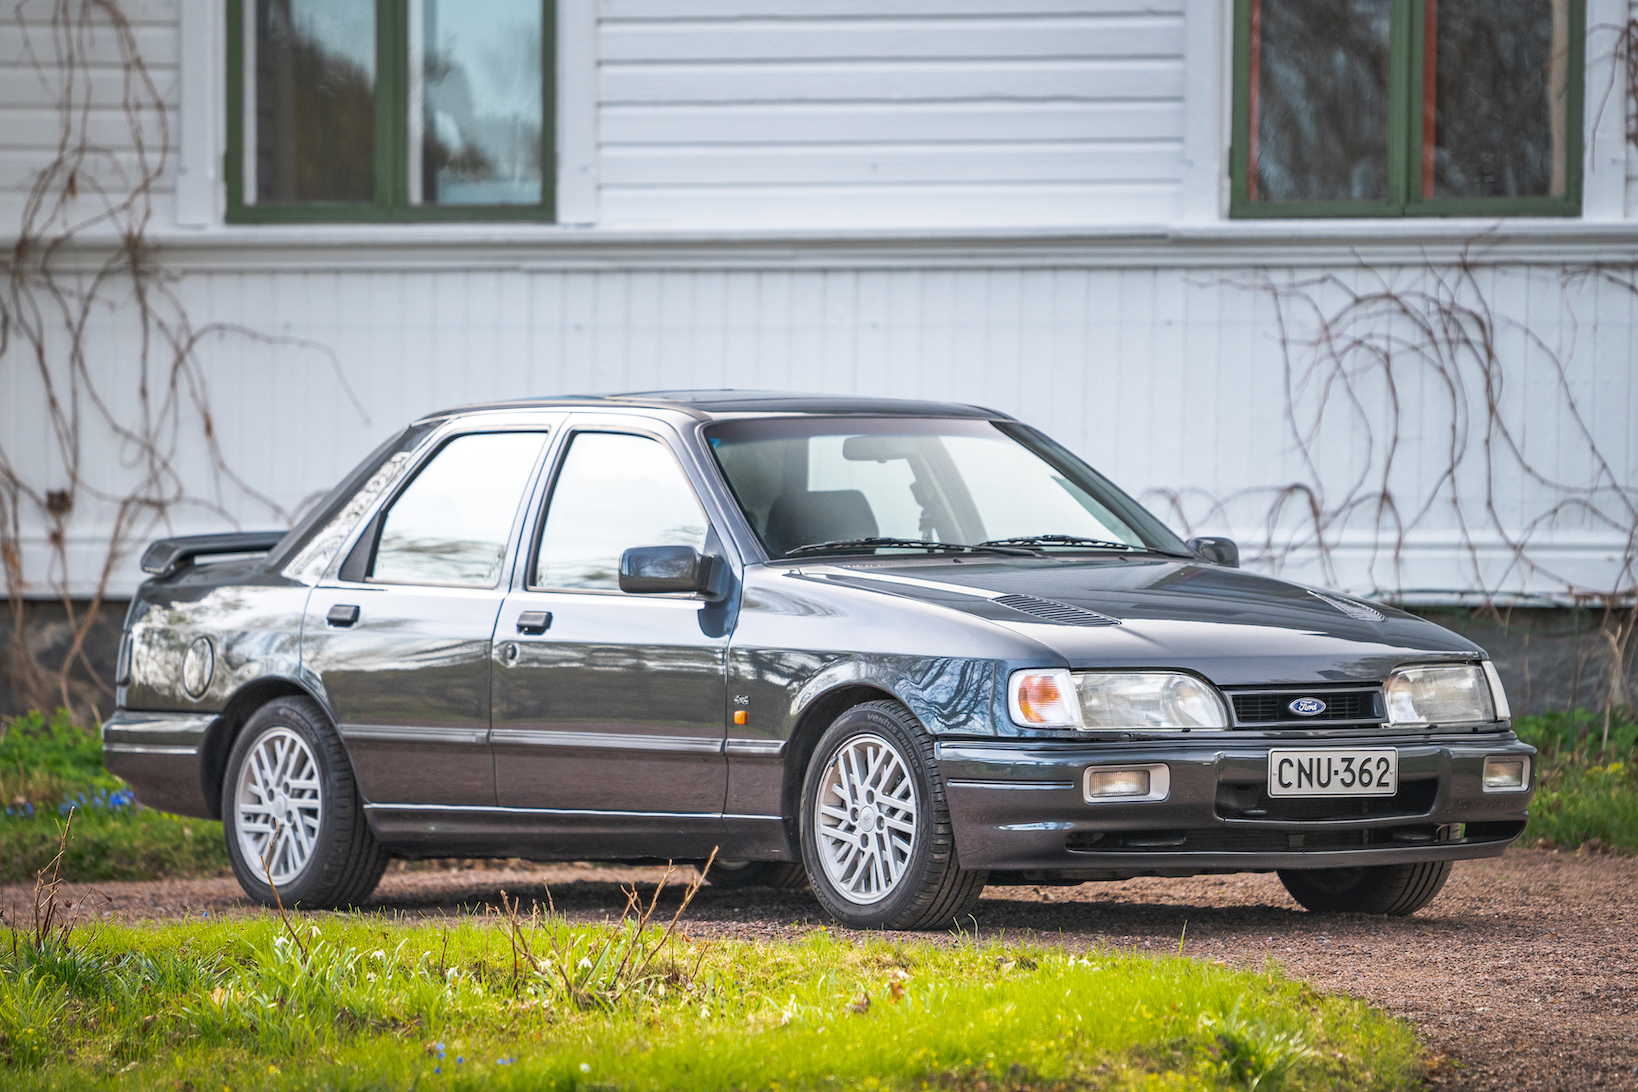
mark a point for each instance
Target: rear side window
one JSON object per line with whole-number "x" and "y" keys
{"x": 450, "y": 525}
{"x": 615, "y": 491}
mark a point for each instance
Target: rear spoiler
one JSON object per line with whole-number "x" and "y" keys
{"x": 170, "y": 555}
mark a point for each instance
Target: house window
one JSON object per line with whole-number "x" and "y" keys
{"x": 1407, "y": 108}
{"x": 355, "y": 110}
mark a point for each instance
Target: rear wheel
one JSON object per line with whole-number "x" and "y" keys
{"x": 733, "y": 875}
{"x": 1385, "y": 889}
{"x": 291, "y": 812}
{"x": 875, "y": 830}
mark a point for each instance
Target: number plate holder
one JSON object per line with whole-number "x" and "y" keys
{"x": 1333, "y": 771}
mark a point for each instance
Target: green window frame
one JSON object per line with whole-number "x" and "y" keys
{"x": 1407, "y": 145}
{"x": 392, "y": 153}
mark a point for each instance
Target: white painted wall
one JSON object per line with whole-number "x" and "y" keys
{"x": 1166, "y": 378}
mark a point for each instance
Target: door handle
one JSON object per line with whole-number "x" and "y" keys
{"x": 534, "y": 621}
{"x": 342, "y": 615}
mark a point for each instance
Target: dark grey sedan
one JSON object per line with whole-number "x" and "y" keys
{"x": 894, "y": 650}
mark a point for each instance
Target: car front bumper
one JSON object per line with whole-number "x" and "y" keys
{"x": 1018, "y": 806}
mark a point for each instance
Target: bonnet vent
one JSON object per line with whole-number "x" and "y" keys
{"x": 1050, "y": 610}
{"x": 1350, "y": 608}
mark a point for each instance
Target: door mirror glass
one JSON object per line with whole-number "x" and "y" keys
{"x": 451, "y": 524}
{"x": 656, "y": 570}
{"x": 614, "y": 489}
{"x": 1216, "y": 551}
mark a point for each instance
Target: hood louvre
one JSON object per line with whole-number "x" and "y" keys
{"x": 1050, "y": 610}
{"x": 1350, "y": 608}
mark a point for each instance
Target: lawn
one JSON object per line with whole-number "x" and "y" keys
{"x": 50, "y": 766}
{"x": 1586, "y": 779}
{"x": 534, "y": 1003}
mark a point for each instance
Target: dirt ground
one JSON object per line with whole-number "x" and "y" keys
{"x": 1523, "y": 974}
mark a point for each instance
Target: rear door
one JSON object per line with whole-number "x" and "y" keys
{"x": 400, "y": 639}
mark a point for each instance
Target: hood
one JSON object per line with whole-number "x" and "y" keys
{"x": 1234, "y": 627}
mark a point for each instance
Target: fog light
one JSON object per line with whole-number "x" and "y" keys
{"x": 1127, "y": 783}
{"x": 1117, "y": 783}
{"x": 1506, "y": 774}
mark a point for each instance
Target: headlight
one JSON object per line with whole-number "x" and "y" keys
{"x": 1148, "y": 699}
{"x": 1444, "y": 694}
{"x": 1136, "y": 700}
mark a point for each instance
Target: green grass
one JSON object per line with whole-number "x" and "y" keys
{"x": 362, "y": 1002}
{"x": 50, "y": 765}
{"x": 1586, "y": 788}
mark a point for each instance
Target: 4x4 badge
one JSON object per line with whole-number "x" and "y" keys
{"x": 1307, "y": 707}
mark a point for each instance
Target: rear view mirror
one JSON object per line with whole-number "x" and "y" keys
{"x": 657, "y": 570}
{"x": 878, "y": 449}
{"x": 1216, "y": 551}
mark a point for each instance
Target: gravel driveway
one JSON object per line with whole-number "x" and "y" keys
{"x": 1522, "y": 974}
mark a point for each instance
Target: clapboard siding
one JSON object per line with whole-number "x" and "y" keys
{"x": 1172, "y": 382}
{"x": 793, "y": 114}
{"x": 34, "y": 81}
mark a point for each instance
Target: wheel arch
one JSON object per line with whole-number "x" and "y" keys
{"x": 220, "y": 737}
{"x": 819, "y": 714}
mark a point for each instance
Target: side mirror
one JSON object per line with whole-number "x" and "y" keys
{"x": 656, "y": 570}
{"x": 1216, "y": 551}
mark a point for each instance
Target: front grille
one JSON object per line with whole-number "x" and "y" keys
{"x": 1341, "y": 706}
{"x": 1050, "y": 610}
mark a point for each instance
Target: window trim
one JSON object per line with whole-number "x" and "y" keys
{"x": 391, "y": 203}
{"x": 1407, "y": 29}
{"x": 530, "y": 556}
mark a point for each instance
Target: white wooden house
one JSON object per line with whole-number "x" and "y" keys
{"x": 1106, "y": 217}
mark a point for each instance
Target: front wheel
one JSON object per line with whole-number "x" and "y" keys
{"x": 875, "y": 829}
{"x": 1396, "y": 890}
{"x": 291, "y": 813}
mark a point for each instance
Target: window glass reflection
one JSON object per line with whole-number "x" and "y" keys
{"x": 475, "y": 102}
{"x": 1500, "y": 98}
{"x": 451, "y": 524}
{"x": 614, "y": 492}
{"x": 312, "y": 101}
{"x": 1318, "y": 99}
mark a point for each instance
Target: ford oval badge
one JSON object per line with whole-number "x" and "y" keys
{"x": 1307, "y": 707}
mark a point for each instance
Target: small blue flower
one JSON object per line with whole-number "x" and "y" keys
{"x": 459, "y": 1059}
{"x": 437, "y": 1069}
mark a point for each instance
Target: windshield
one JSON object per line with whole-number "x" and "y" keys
{"x": 805, "y": 481}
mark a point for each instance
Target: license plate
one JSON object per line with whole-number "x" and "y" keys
{"x": 1334, "y": 771}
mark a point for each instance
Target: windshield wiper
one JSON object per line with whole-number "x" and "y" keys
{"x": 1077, "y": 540}
{"x": 1061, "y": 540}
{"x": 906, "y": 543}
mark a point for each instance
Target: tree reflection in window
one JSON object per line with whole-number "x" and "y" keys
{"x": 1319, "y": 100}
{"x": 314, "y": 106}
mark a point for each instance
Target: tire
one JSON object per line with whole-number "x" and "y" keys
{"x": 317, "y": 846}
{"x": 850, "y": 858}
{"x": 735, "y": 875}
{"x": 1395, "y": 890}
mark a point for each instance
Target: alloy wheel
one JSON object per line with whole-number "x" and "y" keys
{"x": 278, "y": 801}
{"x": 865, "y": 819}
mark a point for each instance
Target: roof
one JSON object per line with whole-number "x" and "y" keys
{"x": 705, "y": 404}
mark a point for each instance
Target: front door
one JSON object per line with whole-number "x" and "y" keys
{"x": 608, "y": 707}
{"x": 401, "y": 640}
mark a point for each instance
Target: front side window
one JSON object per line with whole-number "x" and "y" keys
{"x": 1407, "y": 107}
{"x": 615, "y": 491}
{"x": 389, "y": 110}
{"x": 452, "y": 522}
{"x": 806, "y": 481}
